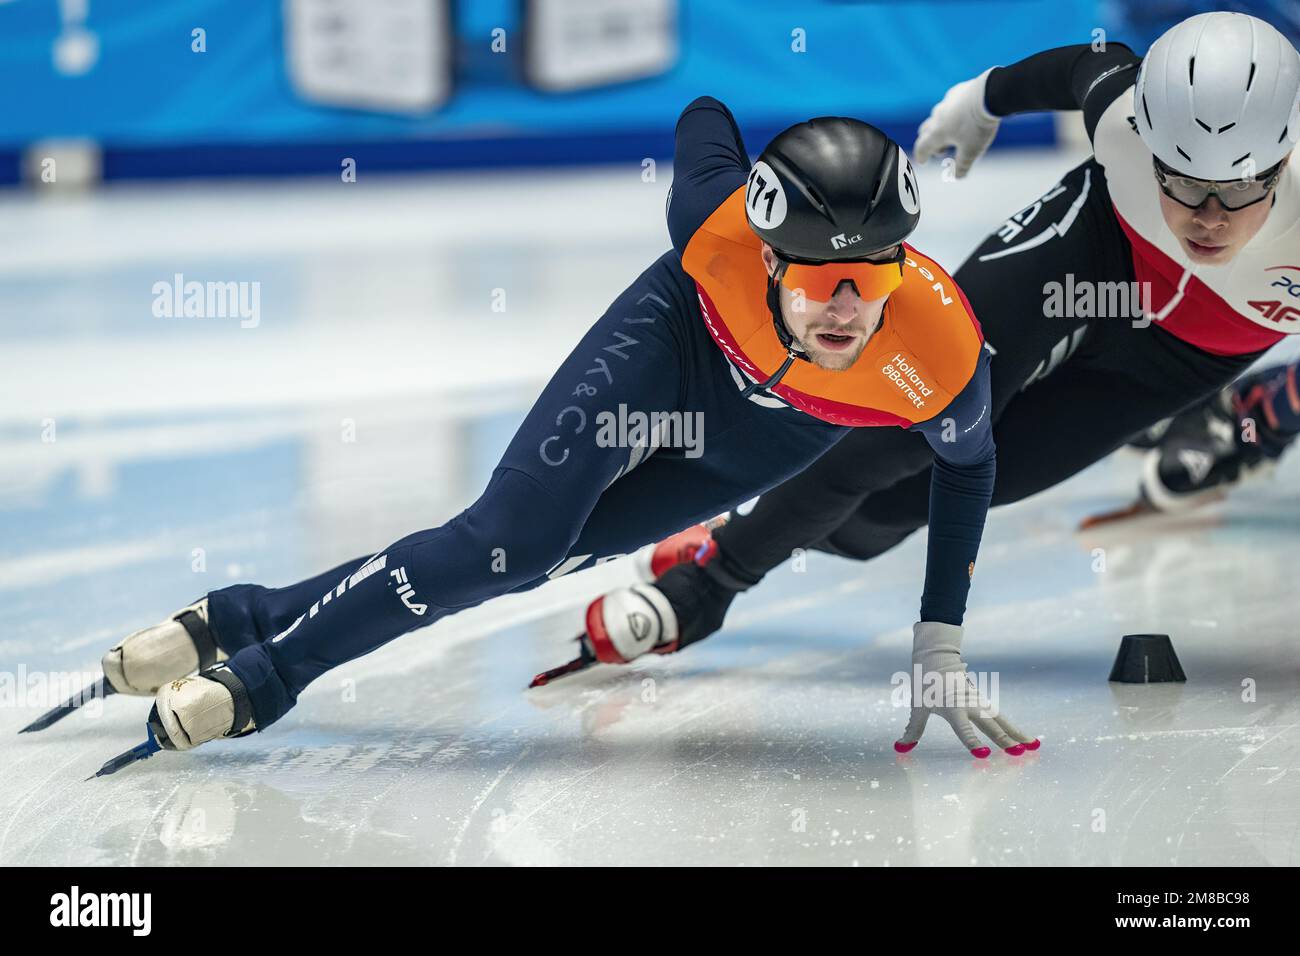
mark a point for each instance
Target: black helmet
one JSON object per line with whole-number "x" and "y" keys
{"x": 832, "y": 189}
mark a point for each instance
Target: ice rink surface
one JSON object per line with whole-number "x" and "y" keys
{"x": 372, "y": 397}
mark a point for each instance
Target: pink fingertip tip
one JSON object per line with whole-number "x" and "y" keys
{"x": 1015, "y": 750}
{"x": 903, "y": 748}
{"x": 980, "y": 752}
{"x": 1033, "y": 744}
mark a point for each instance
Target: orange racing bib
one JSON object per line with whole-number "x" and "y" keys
{"x": 921, "y": 356}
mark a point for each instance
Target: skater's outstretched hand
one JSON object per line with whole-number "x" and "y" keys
{"x": 959, "y": 120}
{"x": 939, "y": 676}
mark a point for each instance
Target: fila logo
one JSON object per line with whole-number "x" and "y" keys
{"x": 839, "y": 242}
{"x": 406, "y": 591}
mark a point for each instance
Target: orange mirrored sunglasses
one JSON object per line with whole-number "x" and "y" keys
{"x": 873, "y": 278}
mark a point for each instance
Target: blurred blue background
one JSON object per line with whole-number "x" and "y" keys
{"x": 226, "y": 87}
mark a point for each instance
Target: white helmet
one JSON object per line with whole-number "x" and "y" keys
{"x": 1218, "y": 96}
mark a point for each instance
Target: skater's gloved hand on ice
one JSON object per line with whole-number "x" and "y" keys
{"x": 959, "y": 120}
{"x": 947, "y": 690}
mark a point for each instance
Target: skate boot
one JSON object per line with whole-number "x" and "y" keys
{"x": 629, "y": 622}
{"x": 146, "y": 660}
{"x": 1208, "y": 450}
{"x": 194, "y": 710}
{"x": 685, "y": 604}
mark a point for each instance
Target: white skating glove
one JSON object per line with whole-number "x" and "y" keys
{"x": 946, "y": 690}
{"x": 961, "y": 121}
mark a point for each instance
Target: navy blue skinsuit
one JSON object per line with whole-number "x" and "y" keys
{"x": 560, "y": 500}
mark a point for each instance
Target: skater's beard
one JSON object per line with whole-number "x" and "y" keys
{"x": 834, "y": 361}
{"x": 834, "y": 335}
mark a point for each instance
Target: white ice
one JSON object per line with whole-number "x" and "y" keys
{"x": 769, "y": 743}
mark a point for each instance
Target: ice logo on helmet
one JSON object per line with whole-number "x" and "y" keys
{"x": 764, "y": 197}
{"x": 908, "y": 194}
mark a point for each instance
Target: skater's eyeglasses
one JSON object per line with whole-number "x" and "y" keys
{"x": 1234, "y": 194}
{"x": 873, "y": 276}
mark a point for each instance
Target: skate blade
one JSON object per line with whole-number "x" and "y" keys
{"x": 101, "y": 688}
{"x": 139, "y": 752}
{"x": 564, "y": 670}
{"x": 1135, "y": 510}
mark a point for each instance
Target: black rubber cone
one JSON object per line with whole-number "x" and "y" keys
{"x": 1146, "y": 659}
